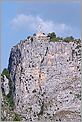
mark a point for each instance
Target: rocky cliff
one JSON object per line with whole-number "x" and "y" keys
{"x": 46, "y": 79}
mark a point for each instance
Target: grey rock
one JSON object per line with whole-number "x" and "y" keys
{"x": 47, "y": 79}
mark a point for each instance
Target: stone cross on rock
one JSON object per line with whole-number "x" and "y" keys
{"x": 39, "y": 28}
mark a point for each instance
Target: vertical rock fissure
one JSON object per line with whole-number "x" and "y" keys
{"x": 42, "y": 73}
{"x": 42, "y": 100}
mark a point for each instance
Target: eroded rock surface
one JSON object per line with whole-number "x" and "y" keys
{"x": 47, "y": 79}
{"x": 5, "y": 85}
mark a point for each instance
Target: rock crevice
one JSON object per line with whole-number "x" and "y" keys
{"x": 46, "y": 77}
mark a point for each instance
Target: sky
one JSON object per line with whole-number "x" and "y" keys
{"x": 22, "y": 19}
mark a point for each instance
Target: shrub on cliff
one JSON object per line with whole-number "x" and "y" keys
{"x": 6, "y": 73}
{"x": 9, "y": 96}
{"x": 69, "y": 39}
{"x": 16, "y": 117}
{"x": 53, "y": 37}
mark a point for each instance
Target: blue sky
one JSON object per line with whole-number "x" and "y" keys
{"x": 21, "y": 19}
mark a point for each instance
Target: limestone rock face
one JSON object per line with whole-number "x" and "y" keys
{"x": 5, "y": 85}
{"x": 47, "y": 79}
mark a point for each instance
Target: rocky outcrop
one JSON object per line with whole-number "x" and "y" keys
{"x": 47, "y": 79}
{"x": 5, "y": 85}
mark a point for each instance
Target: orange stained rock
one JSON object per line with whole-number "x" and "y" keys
{"x": 42, "y": 76}
{"x": 35, "y": 71}
{"x": 50, "y": 56}
{"x": 49, "y": 62}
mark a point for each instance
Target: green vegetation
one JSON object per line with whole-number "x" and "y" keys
{"x": 6, "y": 73}
{"x": 69, "y": 39}
{"x": 16, "y": 117}
{"x": 78, "y": 41}
{"x": 54, "y": 40}
{"x": 10, "y": 100}
{"x": 9, "y": 96}
{"x": 53, "y": 37}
